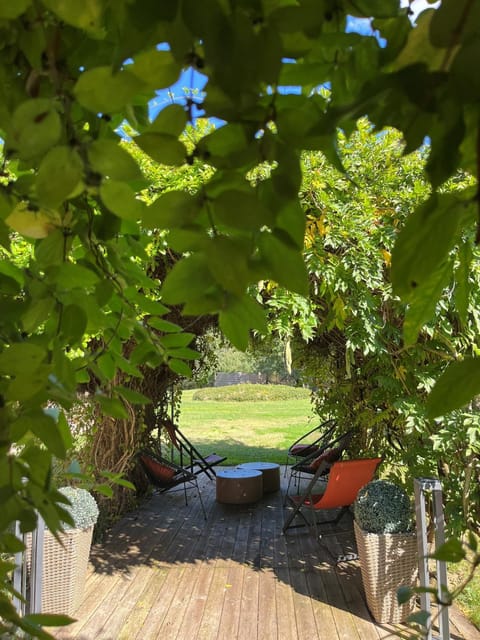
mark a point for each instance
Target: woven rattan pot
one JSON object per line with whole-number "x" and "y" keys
{"x": 387, "y": 561}
{"x": 64, "y": 570}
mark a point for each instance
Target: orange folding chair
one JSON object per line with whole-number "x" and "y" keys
{"x": 345, "y": 480}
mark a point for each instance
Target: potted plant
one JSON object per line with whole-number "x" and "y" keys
{"x": 387, "y": 548}
{"x": 65, "y": 561}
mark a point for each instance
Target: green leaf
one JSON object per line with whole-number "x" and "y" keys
{"x": 188, "y": 279}
{"x": 11, "y": 544}
{"x": 423, "y": 302}
{"x": 116, "y": 478}
{"x": 104, "y": 490}
{"x": 418, "y": 47}
{"x": 73, "y": 324}
{"x": 164, "y": 325}
{"x": 242, "y": 210}
{"x": 157, "y": 69}
{"x": 106, "y": 364}
{"x": 177, "y": 339}
{"x": 51, "y": 434}
{"x": 52, "y": 249}
{"x": 109, "y": 159}
{"x": 171, "y": 121}
{"x": 291, "y": 220}
{"x": 180, "y": 367}
{"x": 102, "y": 91}
{"x": 309, "y": 73}
{"x": 37, "y": 313}
{"x": 132, "y": 396}
{"x": 456, "y": 387}
{"x": 162, "y": 148}
{"x": 229, "y": 140}
{"x": 240, "y": 316}
{"x": 404, "y": 594}
{"x": 447, "y": 25}
{"x": 425, "y": 241}
{"x": 49, "y": 619}
{"x": 21, "y": 357}
{"x": 31, "y": 224}
{"x": 11, "y": 10}
{"x": 377, "y": 8}
{"x": 28, "y": 383}
{"x": 286, "y": 265}
{"x": 13, "y": 272}
{"x": 191, "y": 238}
{"x": 64, "y": 431}
{"x": 112, "y": 406}
{"x": 35, "y": 128}
{"x": 421, "y": 618}
{"x": 73, "y": 275}
{"x": 182, "y": 352}
{"x": 227, "y": 261}
{"x": 84, "y": 15}
{"x": 467, "y": 84}
{"x": 462, "y": 280}
{"x": 171, "y": 210}
{"x": 59, "y": 174}
{"x": 120, "y": 199}
{"x": 450, "y": 551}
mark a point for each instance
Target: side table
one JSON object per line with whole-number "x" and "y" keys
{"x": 239, "y": 486}
{"x": 271, "y": 474}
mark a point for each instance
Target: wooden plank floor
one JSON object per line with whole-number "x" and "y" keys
{"x": 165, "y": 572}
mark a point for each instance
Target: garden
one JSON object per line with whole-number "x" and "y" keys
{"x": 306, "y": 209}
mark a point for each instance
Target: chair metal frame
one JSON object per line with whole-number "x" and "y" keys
{"x": 181, "y": 476}
{"x": 188, "y": 451}
{"x": 299, "y": 470}
{"x": 341, "y": 475}
{"x": 327, "y": 428}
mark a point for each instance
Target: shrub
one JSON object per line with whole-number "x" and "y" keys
{"x": 383, "y": 507}
{"x": 83, "y": 507}
{"x": 251, "y": 392}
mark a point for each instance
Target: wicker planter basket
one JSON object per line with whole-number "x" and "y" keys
{"x": 387, "y": 561}
{"x": 64, "y": 570}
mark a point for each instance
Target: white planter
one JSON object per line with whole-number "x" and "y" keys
{"x": 64, "y": 570}
{"x": 387, "y": 561}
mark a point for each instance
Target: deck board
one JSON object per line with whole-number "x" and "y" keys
{"x": 163, "y": 571}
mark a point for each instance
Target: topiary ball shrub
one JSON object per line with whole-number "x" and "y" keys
{"x": 82, "y": 508}
{"x": 383, "y": 507}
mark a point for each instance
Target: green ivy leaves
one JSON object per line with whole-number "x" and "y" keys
{"x": 101, "y": 91}
{"x": 35, "y": 128}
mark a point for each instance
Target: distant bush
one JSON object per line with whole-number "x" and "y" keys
{"x": 251, "y": 392}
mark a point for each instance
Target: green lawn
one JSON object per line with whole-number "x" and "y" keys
{"x": 247, "y": 430}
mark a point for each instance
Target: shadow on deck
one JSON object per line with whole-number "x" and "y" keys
{"x": 163, "y": 571}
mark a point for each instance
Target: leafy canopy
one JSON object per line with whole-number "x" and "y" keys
{"x": 72, "y": 73}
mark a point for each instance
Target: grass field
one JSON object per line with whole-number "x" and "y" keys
{"x": 248, "y": 430}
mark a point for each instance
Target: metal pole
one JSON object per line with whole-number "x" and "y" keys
{"x": 433, "y": 486}
{"x": 19, "y": 581}
{"x": 37, "y": 567}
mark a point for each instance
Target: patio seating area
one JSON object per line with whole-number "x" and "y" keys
{"x": 164, "y": 571}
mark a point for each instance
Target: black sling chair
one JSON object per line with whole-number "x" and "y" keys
{"x": 164, "y": 475}
{"x": 190, "y": 456}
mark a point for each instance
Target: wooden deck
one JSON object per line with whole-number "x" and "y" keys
{"x": 164, "y": 572}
